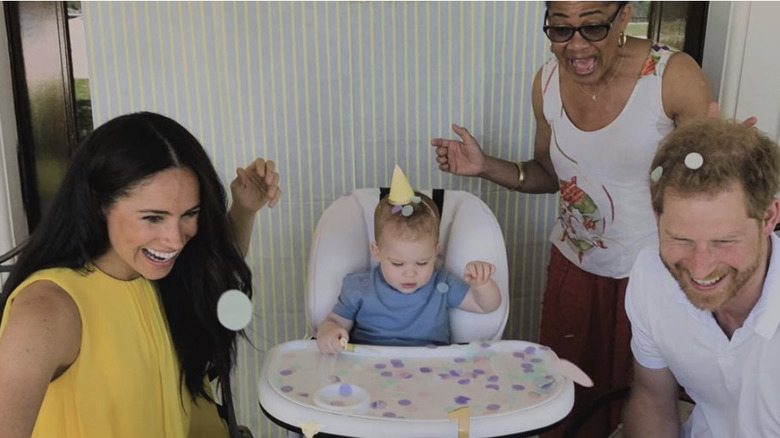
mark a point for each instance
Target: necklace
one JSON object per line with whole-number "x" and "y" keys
{"x": 604, "y": 87}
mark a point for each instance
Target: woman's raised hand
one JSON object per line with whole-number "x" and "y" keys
{"x": 256, "y": 185}
{"x": 458, "y": 157}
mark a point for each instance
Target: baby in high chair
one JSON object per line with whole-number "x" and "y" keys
{"x": 405, "y": 301}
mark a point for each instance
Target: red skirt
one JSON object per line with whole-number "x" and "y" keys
{"x": 584, "y": 320}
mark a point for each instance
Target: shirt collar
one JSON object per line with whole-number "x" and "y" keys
{"x": 766, "y": 312}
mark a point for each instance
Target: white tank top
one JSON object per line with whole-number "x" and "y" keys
{"x": 605, "y": 216}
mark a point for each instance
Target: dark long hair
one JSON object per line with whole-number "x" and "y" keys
{"x": 113, "y": 160}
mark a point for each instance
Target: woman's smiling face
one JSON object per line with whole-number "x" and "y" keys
{"x": 149, "y": 227}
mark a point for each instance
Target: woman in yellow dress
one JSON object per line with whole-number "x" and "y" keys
{"x": 109, "y": 324}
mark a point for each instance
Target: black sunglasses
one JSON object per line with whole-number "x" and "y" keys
{"x": 591, "y": 32}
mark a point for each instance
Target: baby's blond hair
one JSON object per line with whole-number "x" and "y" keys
{"x": 424, "y": 220}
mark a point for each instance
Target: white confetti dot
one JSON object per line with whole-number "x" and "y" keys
{"x": 234, "y": 310}
{"x": 694, "y": 160}
{"x": 656, "y": 174}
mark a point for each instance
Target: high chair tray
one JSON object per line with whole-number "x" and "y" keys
{"x": 508, "y": 386}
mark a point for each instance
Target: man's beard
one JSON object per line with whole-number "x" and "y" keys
{"x": 712, "y": 300}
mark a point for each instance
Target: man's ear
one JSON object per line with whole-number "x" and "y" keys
{"x": 771, "y": 216}
{"x": 375, "y": 251}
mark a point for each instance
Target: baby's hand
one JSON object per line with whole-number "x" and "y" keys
{"x": 478, "y": 273}
{"x": 329, "y": 341}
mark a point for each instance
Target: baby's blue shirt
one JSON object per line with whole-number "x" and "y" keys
{"x": 385, "y": 316}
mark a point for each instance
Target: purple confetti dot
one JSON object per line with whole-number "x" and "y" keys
{"x": 389, "y": 414}
{"x": 386, "y": 373}
{"x": 485, "y": 345}
{"x": 547, "y": 385}
{"x": 462, "y": 400}
{"x": 464, "y": 381}
{"x": 286, "y": 388}
{"x": 397, "y": 363}
{"x": 519, "y": 354}
{"x": 345, "y": 390}
{"x": 444, "y": 375}
{"x": 405, "y": 375}
{"x": 380, "y": 366}
{"x": 425, "y": 369}
{"x": 493, "y": 407}
{"x": 460, "y": 359}
{"x": 478, "y": 372}
{"x": 493, "y": 378}
{"x": 286, "y": 372}
{"x": 404, "y": 402}
{"x": 518, "y": 387}
{"x": 455, "y": 373}
{"x": 492, "y": 386}
{"x": 530, "y": 350}
{"x": 379, "y": 404}
{"x": 303, "y": 394}
{"x": 544, "y": 348}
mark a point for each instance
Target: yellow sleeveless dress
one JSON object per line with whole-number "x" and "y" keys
{"x": 126, "y": 379}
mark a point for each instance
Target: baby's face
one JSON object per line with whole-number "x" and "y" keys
{"x": 407, "y": 264}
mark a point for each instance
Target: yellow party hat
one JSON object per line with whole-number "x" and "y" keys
{"x": 401, "y": 192}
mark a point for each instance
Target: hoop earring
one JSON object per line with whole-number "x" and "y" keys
{"x": 622, "y": 39}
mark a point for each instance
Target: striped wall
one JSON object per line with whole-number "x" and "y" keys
{"x": 335, "y": 93}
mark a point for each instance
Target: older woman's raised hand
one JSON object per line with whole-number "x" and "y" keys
{"x": 256, "y": 185}
{"x": 459, "y": 157}
{"x": 713, "y": 112}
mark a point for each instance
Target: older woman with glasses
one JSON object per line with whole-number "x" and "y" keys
{"x": 602, "y": 105}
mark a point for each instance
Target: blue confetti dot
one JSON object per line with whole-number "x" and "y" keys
{"x": 462, "y": 400}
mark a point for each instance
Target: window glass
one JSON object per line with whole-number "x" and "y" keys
{"x": 640, "y": 18}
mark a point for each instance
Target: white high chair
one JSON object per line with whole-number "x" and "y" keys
{"x": 469, "y": 231}
{"x": 508, "y": 386}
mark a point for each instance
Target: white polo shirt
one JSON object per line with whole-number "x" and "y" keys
{"x": 735, "y": 383}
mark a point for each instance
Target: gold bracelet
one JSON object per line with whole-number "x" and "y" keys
{"x": 520, "y": 176}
